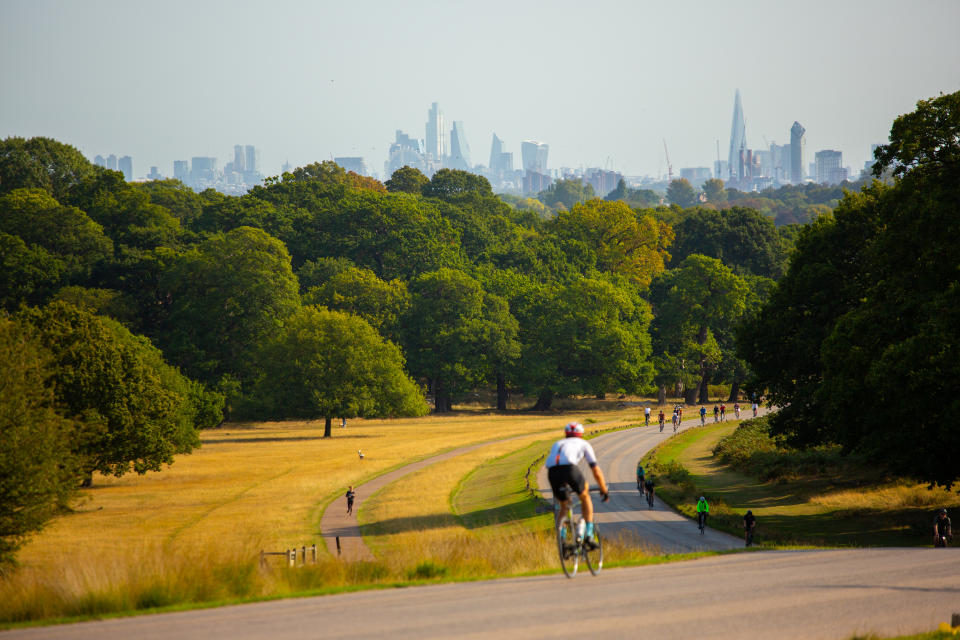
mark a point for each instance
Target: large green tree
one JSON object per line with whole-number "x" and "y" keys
{"x": 681, "y": 193}
{"x": 226, "y": 297}
{"x": 140, "y": 410}
{"x": 455, "y": 333}
{"x": 42, "y": 163}
{"x": 694, "y": 303}
{"x": 37, "y": 467}
{"x": 361, "y": 292}
{"x": 327, "y": 364}
{"x": 407, "y": 180}
{"x": 611, "y": 236}
{"x": 875, "y": 334}
{"x": 589, "y": 337}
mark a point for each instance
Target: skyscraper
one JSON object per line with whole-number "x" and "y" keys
{"x": 534, "y": 156}
{"x": 797, "y": 142}
{"x": 500, "y": 161}
{"x": 738, "y": 141}
{"x": 436, "y": 142}
{"x": 251, "y": 163}
{"x": 181, "y": 170}
{"x": 125, "y": 166}
{"x": 829, "y": 167}
{"x": 112, "y": 162}
{"x": 100, "y": 161}
{"x": 459, "y": 149}
{"x": 238, "y": 158}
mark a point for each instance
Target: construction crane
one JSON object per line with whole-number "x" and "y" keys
{"x": 669, "y": 166}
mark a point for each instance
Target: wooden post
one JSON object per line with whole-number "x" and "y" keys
{"x": 338, "y": 545}
{"x": 313, "y": 553}
{"x": 292, "y": 554}
{"x": 263, "y": 559}
{"x": 303, "y": 554}
{"x": 955, "y": 620}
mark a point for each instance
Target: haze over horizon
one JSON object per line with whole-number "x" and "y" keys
{"x": 305, "y": 81}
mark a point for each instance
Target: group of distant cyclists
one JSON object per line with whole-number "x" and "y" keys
{"x": 566, "y": 479}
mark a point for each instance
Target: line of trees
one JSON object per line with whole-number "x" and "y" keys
{"x": 153, "y": 310}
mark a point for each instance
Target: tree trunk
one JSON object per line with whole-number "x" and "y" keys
{"x": 662, "y": 395}
{"x": 734, "y": 391}
{"x": 544, "y": 400}
{"x": 678, "y": 389}
{"x": 327, "y": 431}
{"x": 501, "y": 392}
{"x": 705, "y": 388}
{"x": 690, "y": 395}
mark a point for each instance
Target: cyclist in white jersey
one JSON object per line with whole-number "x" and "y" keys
{"x": 563, "y": 472}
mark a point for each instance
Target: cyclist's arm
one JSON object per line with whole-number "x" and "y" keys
{"x": 601, "y": 481}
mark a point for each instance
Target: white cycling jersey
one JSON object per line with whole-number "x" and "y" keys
{"x": 570, "y": 451}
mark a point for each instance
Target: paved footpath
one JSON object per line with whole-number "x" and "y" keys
{"x": 335, "y": 522}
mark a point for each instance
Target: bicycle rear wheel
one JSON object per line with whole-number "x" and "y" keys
{"x": 593, "y": 552}
{"x": 567, "y": 547}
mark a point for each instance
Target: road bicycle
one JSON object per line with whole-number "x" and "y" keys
{"x": 573, "y": 547}
{"x": 749, "y": 537}
{"x": 661, "y": 426}
{"x": 701, "y": 521}
{"x": 676, "y": 425}
{"x": 650, "y": 498}
{"x": 941, "y": 541}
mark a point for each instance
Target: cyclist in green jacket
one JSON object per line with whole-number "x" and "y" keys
{"x": 702, "y": 510}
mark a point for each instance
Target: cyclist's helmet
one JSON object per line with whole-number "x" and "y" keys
{"x": 702, "y": 499}
{"x": 573, "y": 429}
{"x": 749, "y": 512}
{"x": 943, "y": 511}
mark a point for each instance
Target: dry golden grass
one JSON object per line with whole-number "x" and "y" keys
{"x": 900, "y": 496}
{"x": 131, "y": 540}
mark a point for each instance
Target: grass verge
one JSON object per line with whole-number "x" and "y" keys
{"x": 812, "y": 500}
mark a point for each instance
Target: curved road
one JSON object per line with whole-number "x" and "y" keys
{"x": 772, "y": 595}
{"x": 662, "y": 528}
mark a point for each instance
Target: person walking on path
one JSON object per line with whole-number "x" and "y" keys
{"x": 351, "y": 494}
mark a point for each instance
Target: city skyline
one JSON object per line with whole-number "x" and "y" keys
{"x": 603, "y": 87}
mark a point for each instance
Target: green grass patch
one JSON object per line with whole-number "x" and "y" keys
{"x": 496, "y": 493}
{"x": 809, "y": 500}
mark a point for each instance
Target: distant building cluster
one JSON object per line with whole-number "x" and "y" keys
{"x": 446, "y": 147}
{"x": 201, "y": 172}
{"x": 443, "y": 148}
{"x": 749, "y": 169}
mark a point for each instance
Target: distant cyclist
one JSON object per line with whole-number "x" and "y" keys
{"x": 702, "y": 510}
{"x": 723, "y": 412}
{"x": 736, "y": 409}
{"x": 646, "y": 416}
{"x": 942, "y": 530}
{"x": 648, "y": 485}
{"x": 703, "y": 416}
{"x": 716, "y": 413}
{"x": 754, "y": 409}
{"x": 641, "y": 478}
{"x": 749, "y": 525}
{"x": 662, "y": 419}
{"x": 563, "y": 473}
{"x": 676, "y": 419}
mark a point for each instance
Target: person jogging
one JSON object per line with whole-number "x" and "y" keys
{"x": 351, "y": 494}
{"x": 563, "y": 474}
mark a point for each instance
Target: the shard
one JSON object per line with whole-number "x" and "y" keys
{"x": 738, "y": 141}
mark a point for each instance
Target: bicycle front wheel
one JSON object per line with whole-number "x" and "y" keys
{"x": 593, "y": 552}
{"x": 567, "y": 546}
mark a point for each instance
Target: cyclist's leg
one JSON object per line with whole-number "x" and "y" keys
{"x": 586, "y": 505}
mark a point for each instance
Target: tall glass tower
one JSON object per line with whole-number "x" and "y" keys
{"x": 738, "y": 141}
{"x": 797, "y": 141}
{"x": 436, "y": 137}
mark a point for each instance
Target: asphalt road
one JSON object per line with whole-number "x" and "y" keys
{"x": 770, "y": 595}
{"x": 661, "y": 529}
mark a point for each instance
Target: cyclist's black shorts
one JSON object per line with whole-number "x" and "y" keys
{"x": 563, "y": 475}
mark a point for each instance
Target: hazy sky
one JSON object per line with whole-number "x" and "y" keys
{"x": 601, "y": 82}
